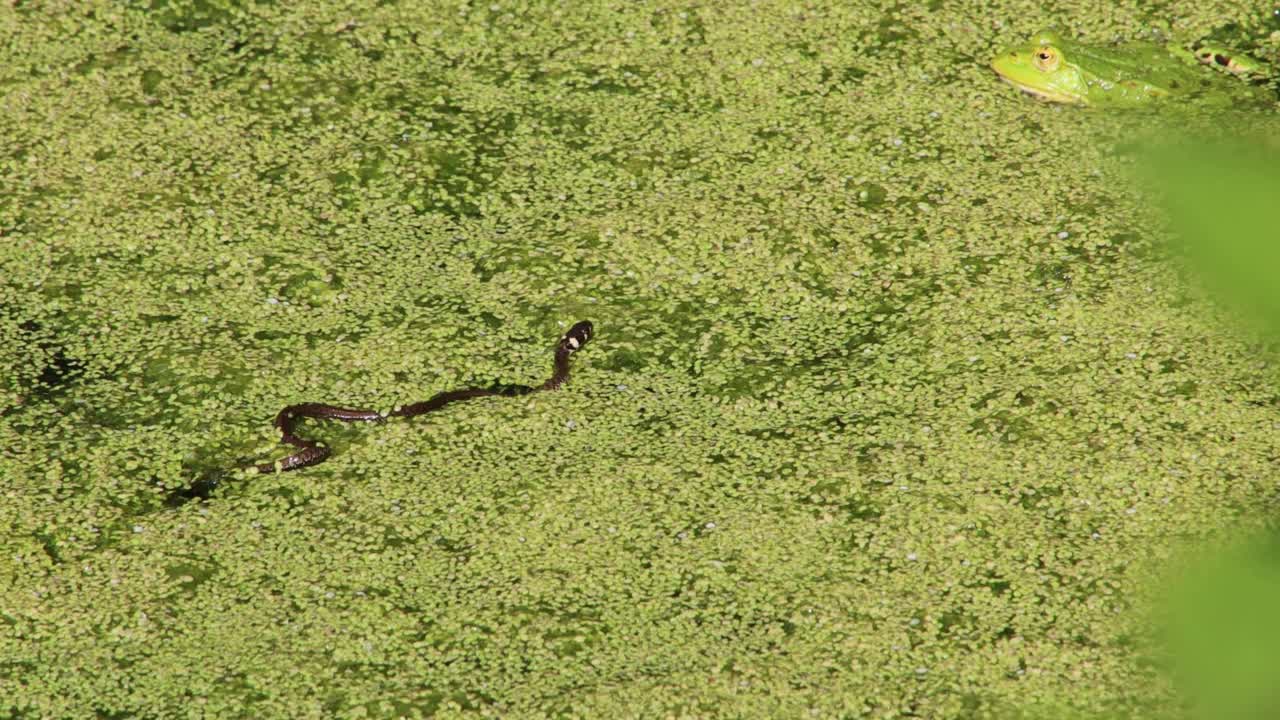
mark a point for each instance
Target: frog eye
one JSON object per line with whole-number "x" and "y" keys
{"x": 1047, "y": 59}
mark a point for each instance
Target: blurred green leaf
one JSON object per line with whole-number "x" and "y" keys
{"x": 1224, "y": 633}
{"x": 1223, "y": 198}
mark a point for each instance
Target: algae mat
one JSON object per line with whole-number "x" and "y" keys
{"x": 896, "y": 402}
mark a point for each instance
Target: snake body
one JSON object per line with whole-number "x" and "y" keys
{"x": 311, "y": 452}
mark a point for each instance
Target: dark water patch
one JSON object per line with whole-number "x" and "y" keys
{"x": 210, "y": 465}
{"x": 752, "y": 380}
{"x": 150, "y": 82}
{"x": 273, "y": 174}
{"x": 458, "y": 165}
{"x": 568, "y": 126}
{"x": 320, "y": 48}
{"x": 184, "y": 16}
{"x": 272, "y": 335}
{"x": 1024, "y": 398}
{"x": 1101, "y": 253}
{"x": 51, "y": 544}
{"x": 58, "y": 371}
{"x": 202, "y": 487}
{"x": 976, "y": 267}
{"x": 294, "y": 498}
{"x": 892, "y": 244}
{"x": 655, "y": 422}
{"x": 158, "y": 319}
{"x": 1036, "y": 498}
{"x": 776, "y": 136}
{"x": 843, "y": 499}
{"x": 1056, "y": 273}
{"x": 626, "y": 360}
{"x": 53, "y": 369}
{"x": 957, "y": 622}
{"x": 611, "y": 80}
{"x": 755, "y": 371}
{"x": 645, "y": 169}
{"x": 868, "y": 456}
{"x": 105, "y": 60}
{"x": 843, "y": 77}
{"x": 681, "y": 27}
{"x": 311, "y": 287}
{"x": 1006, "y": 426}
{"x": 571, "y": 632}
{"x": 891, "y": 30}
{"x": 982, "y": 402}
{"x": 369, "y": 169}
{"x": 853, "y": 345}
{"x": 458, "y": 549}
{"x": 301, "y": 99}
{"x": 858, "y": 423}
{"x": 185, "y": 380}
{"x": 396, "y": 536}
{"x": 620, "y": 80}
{"x": 191, "y": 575}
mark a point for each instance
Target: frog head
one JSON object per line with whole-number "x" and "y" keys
{"x": 1042, "y": 68}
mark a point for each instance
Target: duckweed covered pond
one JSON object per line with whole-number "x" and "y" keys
{"x": 896, "y": 405}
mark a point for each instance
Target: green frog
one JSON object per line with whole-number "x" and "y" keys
{"x": 1055, "y": 69}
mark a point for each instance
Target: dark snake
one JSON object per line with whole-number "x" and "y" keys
{"x": 311, "y": 452}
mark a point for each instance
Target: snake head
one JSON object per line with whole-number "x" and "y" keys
{"x": 577, "y": 336}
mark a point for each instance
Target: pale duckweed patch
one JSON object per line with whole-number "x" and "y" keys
{"x": 893, "y": 408}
